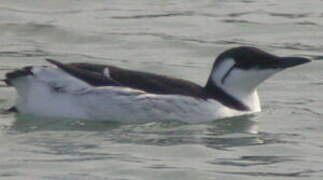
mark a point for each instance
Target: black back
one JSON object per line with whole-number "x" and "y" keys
{"x": 149, "y": 82}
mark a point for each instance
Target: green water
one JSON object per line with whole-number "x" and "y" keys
{"x": 181, "y": 39}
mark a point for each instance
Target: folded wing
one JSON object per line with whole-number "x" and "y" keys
{"x": 96, "y": 75}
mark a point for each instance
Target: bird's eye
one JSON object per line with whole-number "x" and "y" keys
{"x": 245, "y": 65}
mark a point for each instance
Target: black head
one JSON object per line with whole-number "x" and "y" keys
{"x": 246, "y": 57}
{"x": 238, "y": 71}
{"x": 245, "y": 60}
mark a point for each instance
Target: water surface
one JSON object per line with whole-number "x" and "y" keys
{"x": 178, "y": 38}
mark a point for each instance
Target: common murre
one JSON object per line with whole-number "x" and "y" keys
{"x": 103, "y": 92}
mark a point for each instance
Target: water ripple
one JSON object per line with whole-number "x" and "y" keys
{"x": 25, "y": 53}
{"x": 287, "y": 45}
{"x": 231, "y": 15}
{"x": 246, "y": 161}
{"x": 305, "y": 173}
{"x": 307, "y": 23}
{"x": 154, "y": 15}
{"x": 290, "y": 15}
{"x": 240, "y": 42}
{"x": 239, "y": 14}
{"x": 236, "y": 21}
{"x": 60, "y": 12}
{"x": 41, "y": 12}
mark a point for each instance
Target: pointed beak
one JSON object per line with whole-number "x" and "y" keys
{"x": 286, "y": 62}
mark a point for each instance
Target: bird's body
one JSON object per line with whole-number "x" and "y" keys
{"x": 102, "y": 92}
{"x": 52, "y": 92}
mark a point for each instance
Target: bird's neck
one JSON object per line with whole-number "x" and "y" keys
{"x": 238, "y": 100}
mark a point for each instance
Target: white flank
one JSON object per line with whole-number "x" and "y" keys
{"x": 51, "y": 92}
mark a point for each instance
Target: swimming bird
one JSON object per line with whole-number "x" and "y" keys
{"x": 104, "y": 92}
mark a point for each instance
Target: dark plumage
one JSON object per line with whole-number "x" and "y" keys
{"x": 149, "y": 82}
